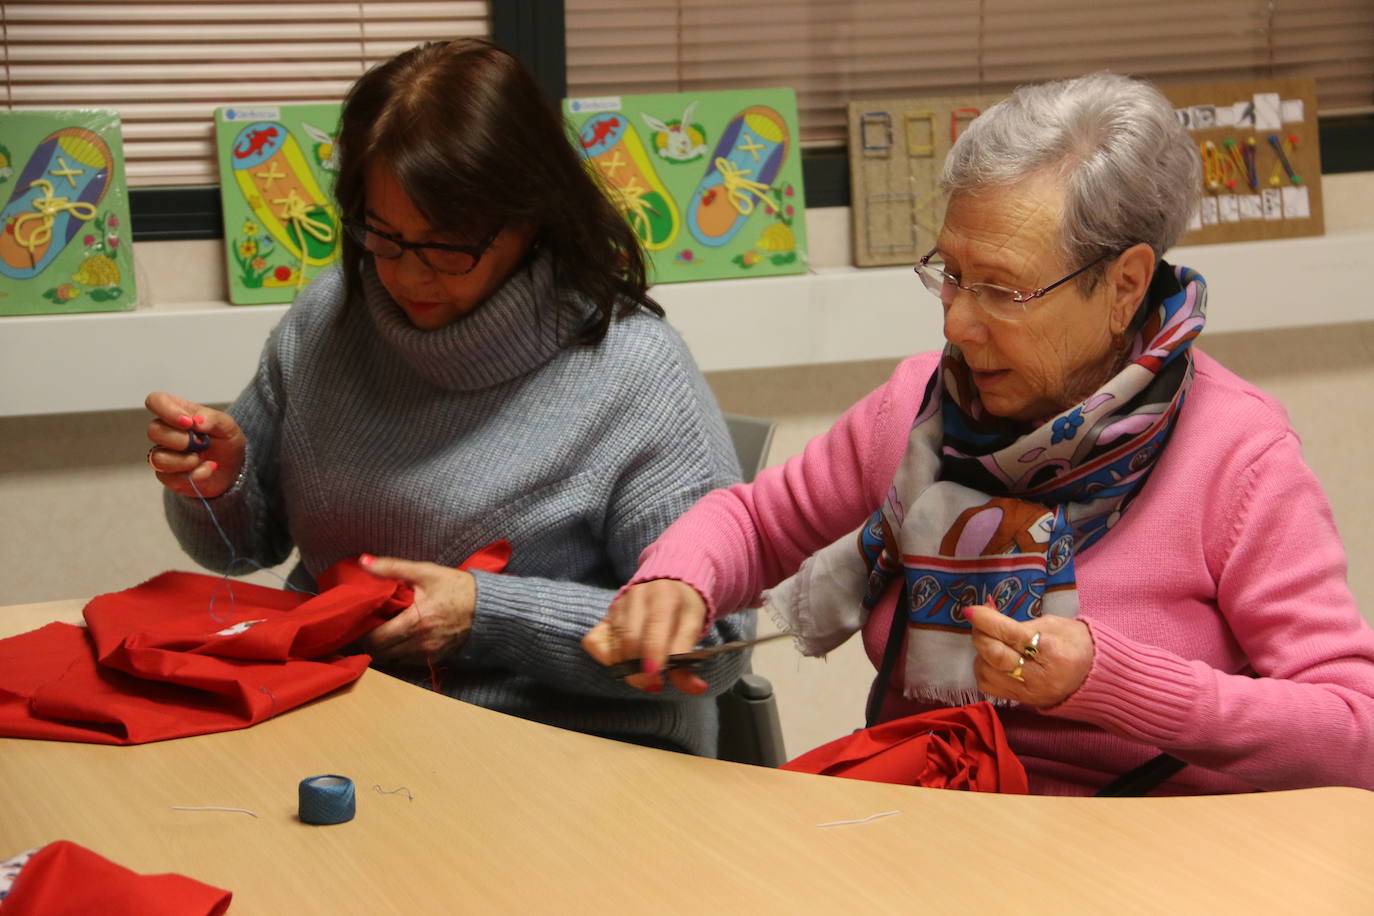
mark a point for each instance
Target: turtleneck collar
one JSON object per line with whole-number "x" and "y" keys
{"x": 518, "y": 328}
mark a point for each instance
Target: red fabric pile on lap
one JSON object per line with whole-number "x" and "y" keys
{"x": 963, "y": 747}
{"x": 64, "y": 878}
{"x": 157, "y": 661}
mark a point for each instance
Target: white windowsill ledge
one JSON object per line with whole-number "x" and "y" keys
{"x": 51, "y": 364}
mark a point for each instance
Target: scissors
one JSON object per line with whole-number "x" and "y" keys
{"x": 690, "y": 659}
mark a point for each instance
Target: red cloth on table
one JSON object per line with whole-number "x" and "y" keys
{"x": 63, "y": 878}
{"x": 963, "y": 747}
{"x": 157, "y": 661}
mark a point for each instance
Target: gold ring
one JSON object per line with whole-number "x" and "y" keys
{"x": 149, "y": 459}
{"x": 1015, "y": 673}
{"x": 1032, "y": 648}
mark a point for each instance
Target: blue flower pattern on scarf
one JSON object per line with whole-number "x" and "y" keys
{"x": 1066, "y": 427}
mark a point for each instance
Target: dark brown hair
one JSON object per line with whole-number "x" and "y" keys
{"x": 474, "y": 142}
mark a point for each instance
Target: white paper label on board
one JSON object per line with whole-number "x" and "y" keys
{"x": 1296, "y": 204}
{"x": 1250, "y": 207}
{"x": 1292, "y": 110}
{"x": 1244, "y": 113}
{"x": 1229, "y": 207}
{"x": 1209, "y": 211}
{"x": 1272, "y": 203}
{"x": 1204, "y": 117}
{"x": 1195, "y": 221}
{"x": 255, "y": 113}
{"x": 594, "y": 104}
{"x": 1226, "y": 115}
{"x": 1267, "y": 115}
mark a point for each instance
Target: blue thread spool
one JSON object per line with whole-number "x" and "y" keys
{"x": 326, "y": 799}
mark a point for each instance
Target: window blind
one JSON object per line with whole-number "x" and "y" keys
{"x": 165, "y": 66}
{"x": 832, "y": 51}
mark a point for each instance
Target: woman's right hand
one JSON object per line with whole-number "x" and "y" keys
{"x": 651, "y": 621}
{"x": 214, "y": 470}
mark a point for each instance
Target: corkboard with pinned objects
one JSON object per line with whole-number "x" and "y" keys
{"x": 897, "y": 148}
{"x": 1261, "y": 162}
{"x": 1261, "y": 175}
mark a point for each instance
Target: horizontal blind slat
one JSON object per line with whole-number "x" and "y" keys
{"x": 165, "y": 66}
{"x": 833, "y": 51}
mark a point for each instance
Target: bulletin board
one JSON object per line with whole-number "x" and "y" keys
{"x": 897, "y": 148}
{"x": 276, "y": 178}
{"x": 1261, "y": 159}
{"x": 1268, "y": 188}
{"x": 709, "y": 181}
{"x": 64, "y": 245}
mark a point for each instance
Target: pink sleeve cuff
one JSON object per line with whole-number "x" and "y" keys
{"x": 1134, "y": 690}
{"x": 695, "y": 572}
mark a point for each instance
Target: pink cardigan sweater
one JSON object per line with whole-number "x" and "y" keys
{"x": 1227, "y": 563}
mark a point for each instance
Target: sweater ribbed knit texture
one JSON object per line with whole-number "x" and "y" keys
{"x": 1227, "y": 564}
{"x": 366, "y": 434}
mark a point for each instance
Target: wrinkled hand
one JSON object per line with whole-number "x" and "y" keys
{"x": 650, "y": 621}
{"x": 213, "y": 470}
{"x": 1061, "y": 663}
{"x": 439, "y": 621}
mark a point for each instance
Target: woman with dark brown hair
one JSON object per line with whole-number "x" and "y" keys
{"x": 485, "y": 365}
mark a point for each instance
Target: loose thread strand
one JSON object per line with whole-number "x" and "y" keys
{"x": 211, "y": 808}
{"x": 234, "y": 559}
{"x": 409, "y": 795}
{"x": 862, "y": 820}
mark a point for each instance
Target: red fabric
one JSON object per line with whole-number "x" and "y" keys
{"x": 959, "y": 748}
{"x": 63, "y": 878}
{"x": 158, "y": 661}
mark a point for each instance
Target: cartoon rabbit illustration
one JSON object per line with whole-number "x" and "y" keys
{"x": 679, "y": 140}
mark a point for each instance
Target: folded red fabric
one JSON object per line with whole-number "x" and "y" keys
{"x": 157, "y": 661}
{"x": 189, "y": 654}
{"x": 64, "y": 879}
{"x": 963, "y": 747}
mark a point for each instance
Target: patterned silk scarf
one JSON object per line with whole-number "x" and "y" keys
{"x": 979, "y": 512}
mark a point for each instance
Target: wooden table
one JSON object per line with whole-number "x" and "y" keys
{"x": 511, "y": 816}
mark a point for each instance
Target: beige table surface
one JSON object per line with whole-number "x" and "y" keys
{"x": 511, "y": 816}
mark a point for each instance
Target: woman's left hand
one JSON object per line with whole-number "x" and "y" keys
{"x": 439, "y": 621}
{"x": 1052, "y": 671}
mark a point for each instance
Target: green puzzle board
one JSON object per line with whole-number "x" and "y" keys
{"x": 276, "y": 168}
{"x": 64, "y": 246}
{"x": 709, "y": 181}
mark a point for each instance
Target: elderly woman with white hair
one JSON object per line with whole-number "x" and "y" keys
{"x": 1071, "y": 511}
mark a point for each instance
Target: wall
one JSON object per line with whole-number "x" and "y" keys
{"x": 81, "y": 514}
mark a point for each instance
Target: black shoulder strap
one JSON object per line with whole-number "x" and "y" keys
{"x": 890, "y": 653}
{"x": 1149, "y": 775}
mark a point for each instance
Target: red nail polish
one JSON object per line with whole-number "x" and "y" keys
{"x": 649, "y": 666}
{"x": 367, "y": 559}
{"x": 185, "y": 422}
{"x": 199, "y": 418}
{"x": 212, "y": 465}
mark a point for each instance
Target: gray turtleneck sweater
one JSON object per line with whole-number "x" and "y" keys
{"x": 368, "y": 435}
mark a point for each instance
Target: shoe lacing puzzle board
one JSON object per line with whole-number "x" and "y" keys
{"x": 64, "y": 246}
{"x": 1260, "y": 175}
{"x": 710, "y": 182}
{"x": 276, "y": 168}
{"x": 1261, "y": 161}
{"x": 897, "y": 148}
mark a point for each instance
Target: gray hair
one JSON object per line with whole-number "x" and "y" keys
{"x": 1130, "y": 172}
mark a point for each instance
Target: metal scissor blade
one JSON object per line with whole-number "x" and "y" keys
{"x": 692, "y": 658}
